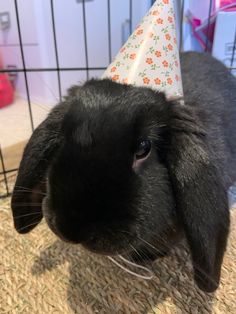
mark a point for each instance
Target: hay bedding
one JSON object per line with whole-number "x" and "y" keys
{"x": 40, "y": 274}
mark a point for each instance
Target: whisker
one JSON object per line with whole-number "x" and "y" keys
{"x": 19, "y": 188}
{"x": 25, "y": 191}
{"x": 29, "y": 225}
{"x": 134, "y": 249}
{"x": 151, "y": 283}
{"x": 27, "y": 205}
{"x": 149, "y": 272}
{"x": 140, "y": 254}
{"x": 23, "y": 187}
{"x": 196, "y": 266}
{"x": 31, "y": 214}
{"x": 149, "y": 244}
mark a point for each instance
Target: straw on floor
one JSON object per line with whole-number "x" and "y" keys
{"x": 41, "y": 274}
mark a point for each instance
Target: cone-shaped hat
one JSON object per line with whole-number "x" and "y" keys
{"x": 150, "y": 57}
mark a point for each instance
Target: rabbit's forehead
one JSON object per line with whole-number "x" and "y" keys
{"x": 116, "y": 134}
{"x": 122, "y": 122}
{"x": 114, "y": 126}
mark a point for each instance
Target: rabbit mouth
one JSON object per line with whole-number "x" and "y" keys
{"x": 102, "y": 241}
{"x": 102, "y": 245}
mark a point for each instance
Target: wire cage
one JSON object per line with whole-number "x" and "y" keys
{"x": 5, "y": 172}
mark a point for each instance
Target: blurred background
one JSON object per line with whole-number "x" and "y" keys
{"x": 46, "y": 46}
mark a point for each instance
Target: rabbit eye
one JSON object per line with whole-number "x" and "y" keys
{"x": 144, "y": 148}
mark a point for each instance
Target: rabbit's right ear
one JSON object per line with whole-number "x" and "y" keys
{"x": 30, "y": 185}
{"x": 200, "y": 189}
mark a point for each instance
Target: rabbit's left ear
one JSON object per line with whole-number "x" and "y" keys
{"x": 30, "y": 186}
{"x": 201, "y": 195}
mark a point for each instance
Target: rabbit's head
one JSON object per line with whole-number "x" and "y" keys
{"x": 116, "y": 166}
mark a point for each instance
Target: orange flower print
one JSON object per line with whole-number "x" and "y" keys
{"x": 139, "y": 32}
{"x": 157, "y": 81}
{"x": 151, "y": 34}
{"x": 175, "y": 40}
{"x": 168, "y": 37}
{"x": 158, "y": 54}
{"x": 125, "y": 81}
{"x": 170, "y": 47}
{"x": 155, "y": 12}
{"x": 113, "y": 69}
{"x": 132, "y": 56}
{"x": 146, "y": 80}
{"x": 115, "y": 78}
{"x": 170, "y": 19}
{"x": 122, "y": 49}
{"x": 177, "y": 77}
{"x": 166, "y": 1}
{"x": 149, "y": 60}
{"x": 159, "y": 21}
{"x": 176, "y": 63}
{"x": 169, "y": 81}
{"x": 165, "y": 64}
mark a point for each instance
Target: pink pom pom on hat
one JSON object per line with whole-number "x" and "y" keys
{"x": 150, "y": 57}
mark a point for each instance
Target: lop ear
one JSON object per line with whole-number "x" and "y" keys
{"x": 201, "y": 195}
{"x": 30, "y": 185}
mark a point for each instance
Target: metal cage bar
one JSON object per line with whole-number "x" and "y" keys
{"x": 130, "y": 16}
{"x": 4, "y": 173}
{"x": 56, "y": 49}
{"x": 208, "y": 24}
{"x": 233, "y": 54}
{"x": 23, "y": 63}
{"x": 85, "y": 40}
{"x": 181, "y": 25}
{"x": 109, "y": 29}
{"x": 51, "y": 69}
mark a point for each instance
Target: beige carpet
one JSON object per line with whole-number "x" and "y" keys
{"x": 40, "y": 274}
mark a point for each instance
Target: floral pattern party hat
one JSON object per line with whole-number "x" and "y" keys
{"x": 150, "y": 57}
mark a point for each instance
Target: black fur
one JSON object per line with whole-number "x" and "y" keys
{"x": 83, "y": 152}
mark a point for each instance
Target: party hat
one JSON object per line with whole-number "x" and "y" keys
{"x": 150, "y": 57}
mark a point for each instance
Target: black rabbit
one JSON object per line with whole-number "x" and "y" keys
{"x": 121, "y": 170}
